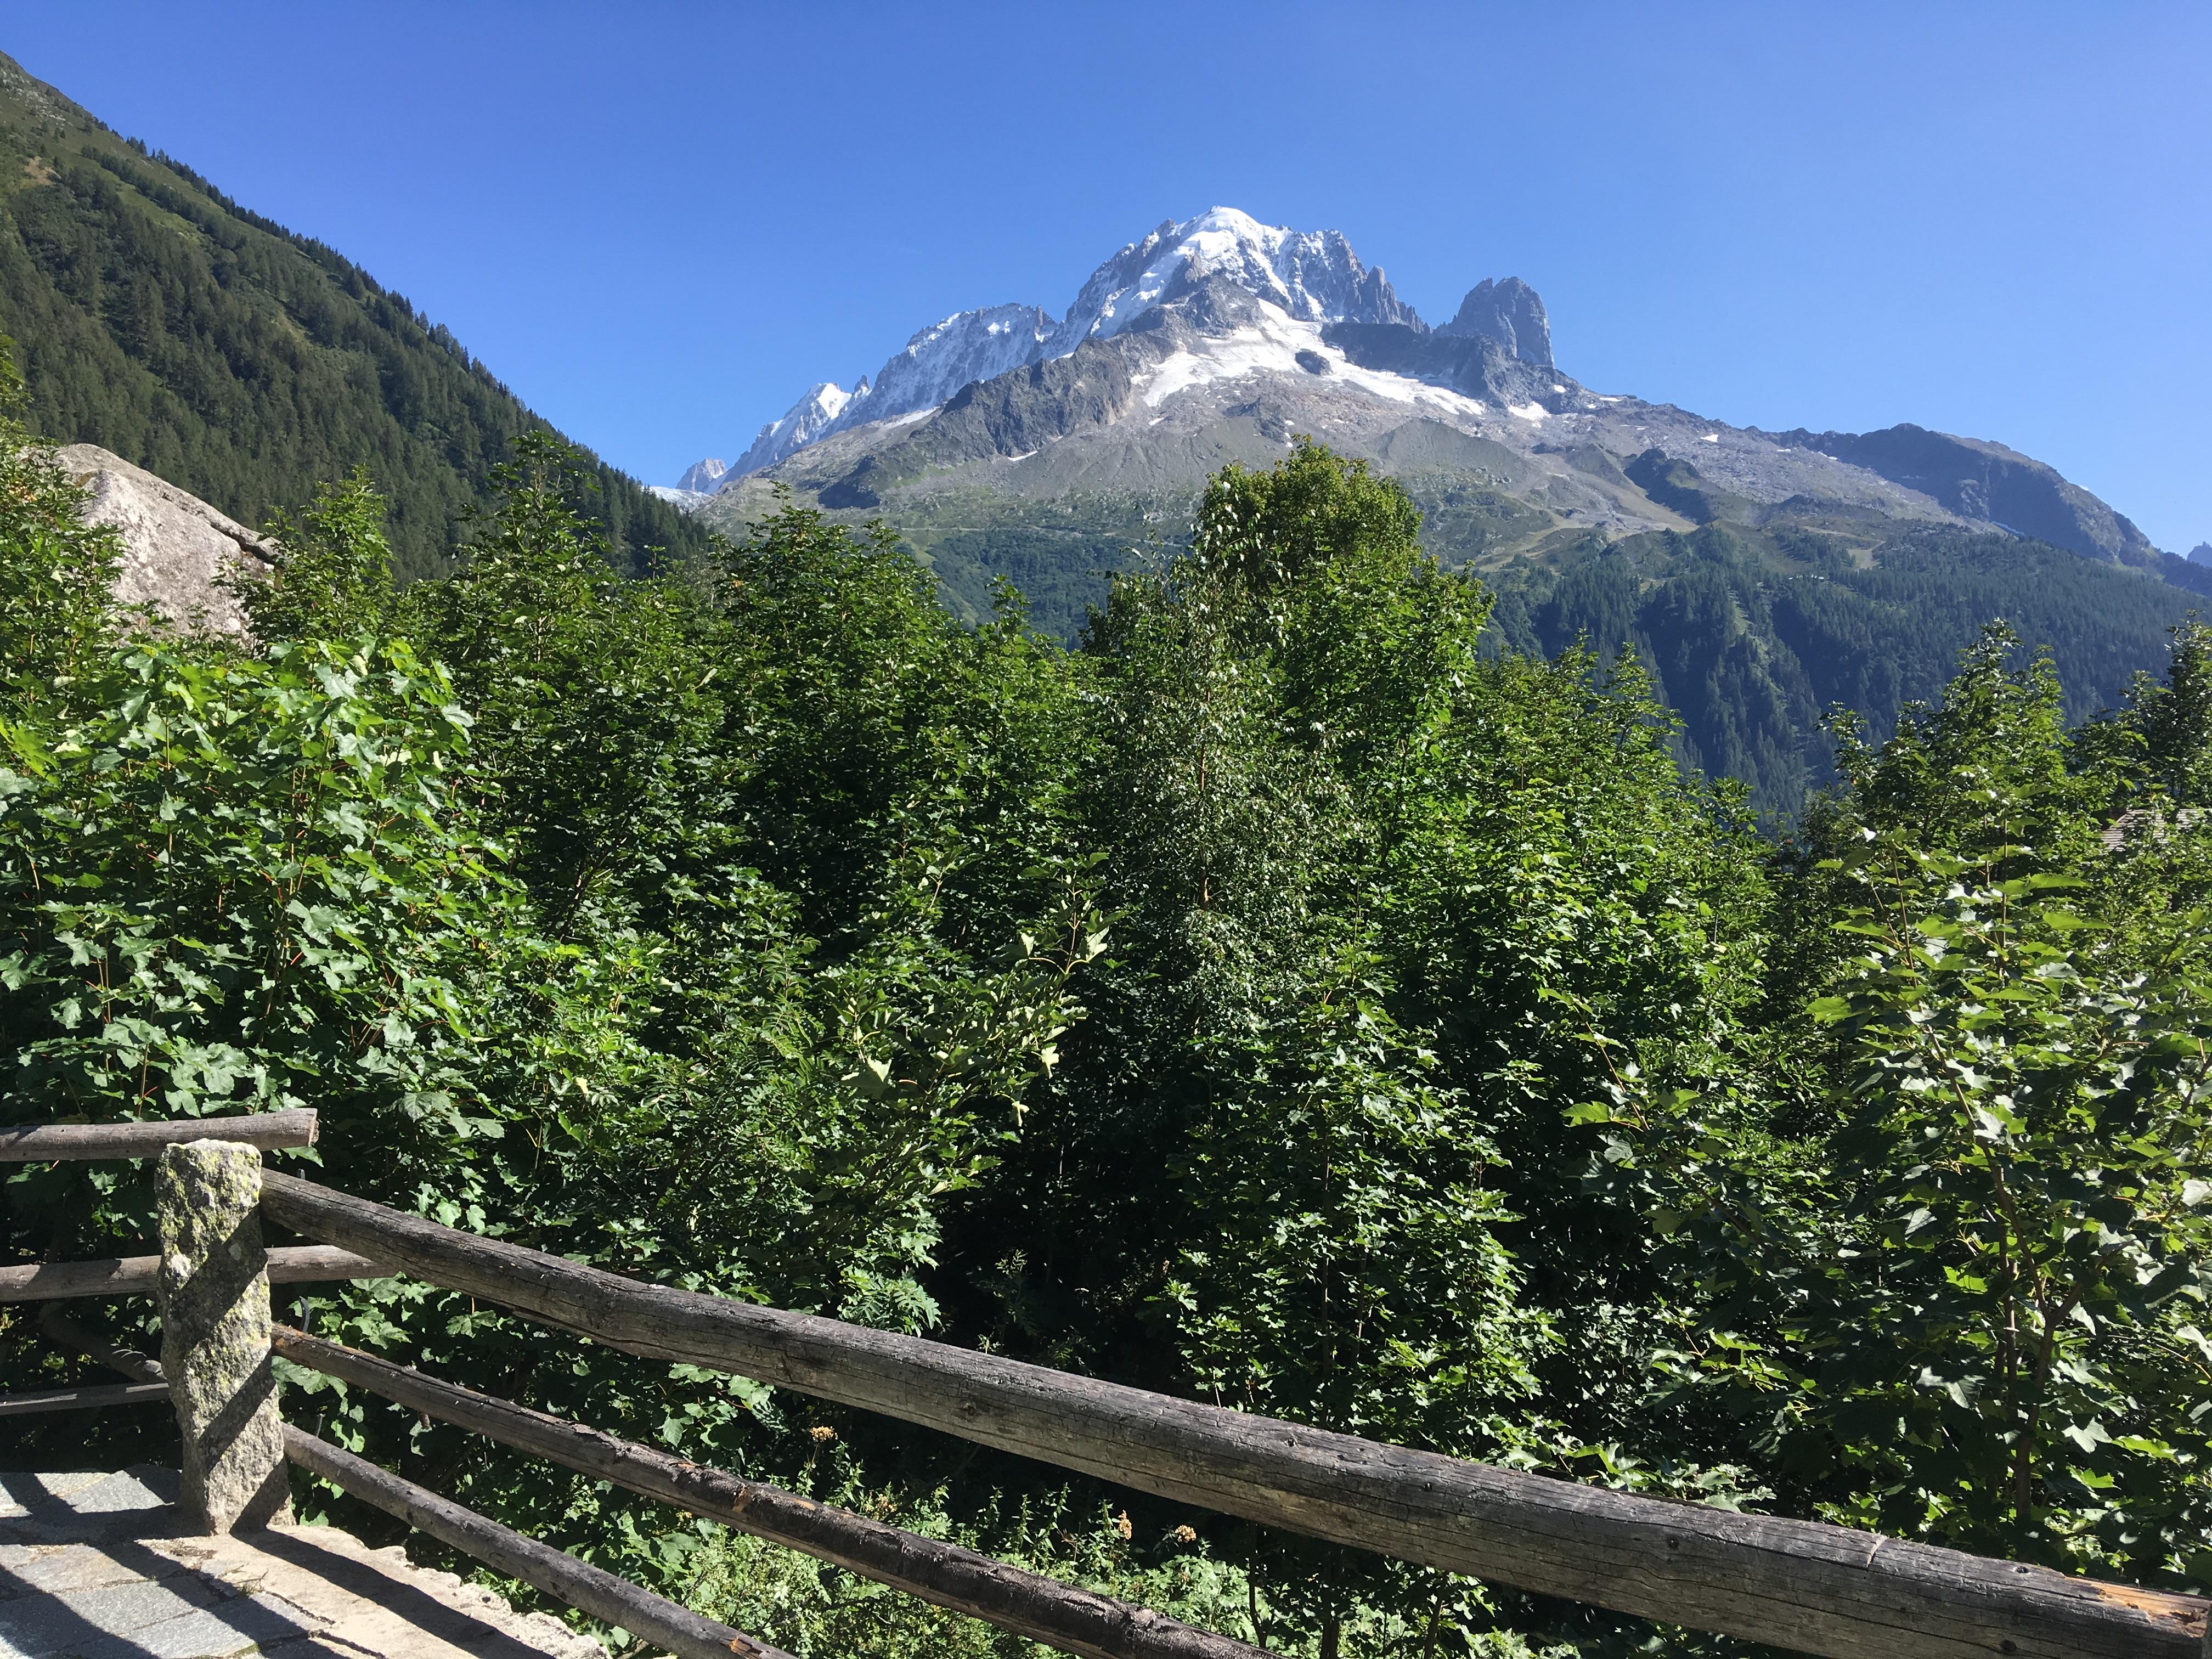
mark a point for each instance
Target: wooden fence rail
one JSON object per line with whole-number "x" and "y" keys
{"x": 588, "y": 1589}
{"x": 268, "y": 1131}
{"x": 1029, "y": 1604}
{"x": 79, "y": 1399}
{"x": 134, "y": 1275}
{"x": 1818, "y": 1589}
{"x": 579, "y": 1584}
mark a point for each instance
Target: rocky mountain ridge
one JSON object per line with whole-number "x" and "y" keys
{"x": 1313, "y": 276}
{"x": 1213, "y": 339}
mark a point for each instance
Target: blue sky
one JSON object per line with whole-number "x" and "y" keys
{"x": 659, "y": 224}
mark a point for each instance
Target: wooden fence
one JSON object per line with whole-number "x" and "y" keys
{"x": 1796, "y": 1584}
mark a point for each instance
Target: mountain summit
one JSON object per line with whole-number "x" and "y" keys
{"x": 1509, "y": 313}
{"x": 1313, "y": 276}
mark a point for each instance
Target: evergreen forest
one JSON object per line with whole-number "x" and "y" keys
{"x": 1287, "y": 996}
{"x": 1753, "y": 635}
{"x": 156, "y": 318}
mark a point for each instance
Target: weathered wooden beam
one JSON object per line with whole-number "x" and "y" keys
{"x": 1796, "y": 1584}
{"x": 58, "y": 1329}
{"x": 134, "y": 1275}
{"x": 78, "y": 1400}
{"x": 586, "y": 1588}
{"x": 1040, "y": 1608}
{"x": 270, "y": 1131}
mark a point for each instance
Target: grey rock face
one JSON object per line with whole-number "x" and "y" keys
{"x": 1510, "y": 312}
{"x": 1479, "y": 365}
{"x": 2200, "y": 554}
{"x": 174, "y": 544}
{"x": 701, "y": 476}
{"x": 214, "y": 1295}
{"x": 1015, "y": 413}
{"x": 1986, "y": 481}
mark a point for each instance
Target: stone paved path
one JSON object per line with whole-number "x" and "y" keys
{"x": 95, "y": 1567}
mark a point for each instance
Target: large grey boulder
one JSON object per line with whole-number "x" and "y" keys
{"x": 174, "y": 544}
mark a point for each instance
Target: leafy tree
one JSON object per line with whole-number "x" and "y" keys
{"x": 336, "y": 575}
{"x": 57, "y": 573}
{"x": 1379, "y": 901}
{"x": 242, "y": 885}
{"x": 1960, "y": 1298}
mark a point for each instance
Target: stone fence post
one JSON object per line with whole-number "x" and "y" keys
{"x": 213, "y": 1290}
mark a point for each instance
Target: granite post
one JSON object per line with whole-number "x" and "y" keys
{"x": 213, "y": 1289}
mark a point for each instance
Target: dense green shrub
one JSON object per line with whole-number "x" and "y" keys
{"x": 1287, "y": 999}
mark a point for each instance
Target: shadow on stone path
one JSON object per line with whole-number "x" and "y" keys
{"x": 94, "y": 1565}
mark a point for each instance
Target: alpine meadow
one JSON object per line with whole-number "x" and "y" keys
{"x": 1401, "y": 953}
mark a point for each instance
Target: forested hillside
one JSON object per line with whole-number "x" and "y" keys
{"x": 1296, "y": 996}
{"x": 1753, "y": 634}
{"x": 155, "y": 317}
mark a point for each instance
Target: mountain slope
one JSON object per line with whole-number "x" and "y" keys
{"x": 154, "y": 318}
{"x": 1986, "y": 481}
{"x": 1752, "y": 635}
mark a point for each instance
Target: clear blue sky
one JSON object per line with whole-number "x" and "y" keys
{"x": 658, "y": 224}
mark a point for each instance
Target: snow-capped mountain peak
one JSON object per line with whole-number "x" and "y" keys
{"x": 937, "y": 361}
{"x": 1314, "y": 277}
{"x": 801, "y": 424}
{"x": 701, "y": 476}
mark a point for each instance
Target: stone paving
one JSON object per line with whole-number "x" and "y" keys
{"x": 96, "y": 1566}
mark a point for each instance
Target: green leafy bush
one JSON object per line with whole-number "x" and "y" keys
{"x": 1286, "y": 1000}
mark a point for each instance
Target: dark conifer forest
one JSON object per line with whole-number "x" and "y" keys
{"x": 155, "y": 317}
